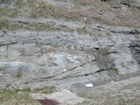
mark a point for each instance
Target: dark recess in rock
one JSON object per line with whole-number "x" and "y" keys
{"x": 104, "y": 61}
{"x": 135, "y": 50}
{"x": 104, "y": 0}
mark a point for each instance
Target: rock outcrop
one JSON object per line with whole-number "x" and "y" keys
{"x": 66, "y": 53}
{"x": 66, "y": 58}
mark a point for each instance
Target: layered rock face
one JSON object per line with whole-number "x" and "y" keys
{"x": 67, "y": 58}
{"x": 33, "y": 58}
{"x": 135, "y": 49}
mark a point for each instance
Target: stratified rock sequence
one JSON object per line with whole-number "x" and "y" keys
{"x": 62, "y": 43}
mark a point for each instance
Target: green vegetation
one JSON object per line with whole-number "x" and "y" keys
{"x": 4, "y": 23}
{"x": 41, "y": 27}
{"x": 85, "y": 95}
{"x": 66, "y": 28}
{"x": 4, "y": 11}
{"x": 85, "y": 103}
{"x": 69, "y": 47}
{"x": 14, "y": 13}
{"x": 7, "y": 85}
{"x": 18, "y": 76}
{"x": 20, "y": 4}
{"x": 12, "y": 97}
{"x": 108, "y": 34}
{"x": 38, "y": 43}
{"x": 84, "y": 2}
{"x": 108, "y": 99}
{"x": 82, "y": 30}
{"x": 43, "y": 10}
{"x": 46, "y": 89}
{"x": 21, "y": 96}
{"x": 115, "y": 69}
{"x": 40, "y": 9}
{"x": 26, "y": 82}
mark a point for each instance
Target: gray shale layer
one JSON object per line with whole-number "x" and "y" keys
{"x": 37, "y": 59}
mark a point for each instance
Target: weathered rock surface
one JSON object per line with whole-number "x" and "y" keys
{"x": 67, "y": 58}
{"x": 33, "y": 58}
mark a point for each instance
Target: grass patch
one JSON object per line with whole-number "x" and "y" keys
{"x": 4, "y": 23}
{"x": 84, "y": 103}
{"x": 115, "y": 69}
{"x": 40, "y": 9}
{"x": 21, "y": 96}
{"x": 85, "y": 95}
{"x": 108, "y": 99}
{"x": 84, "y": 2}
{"x": 7, "y": 25}
{"x": 20, "y": 4}
{"x": 47, "y": 27}
{"x": 14, "y": 13}
{"x": 12, "y": 97}
{"x": 41, "y": 27}
{"x": 46, "y": 89}
{"x": 82, "y": 30}
{"x": 10, "y": 12}
{"x": 18, "y": 76}
{"x": 4, "y": 11}
{"x": 43, "y": 10}
{"x": 66, "y": 28}
{"x": 47, "y": 10}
